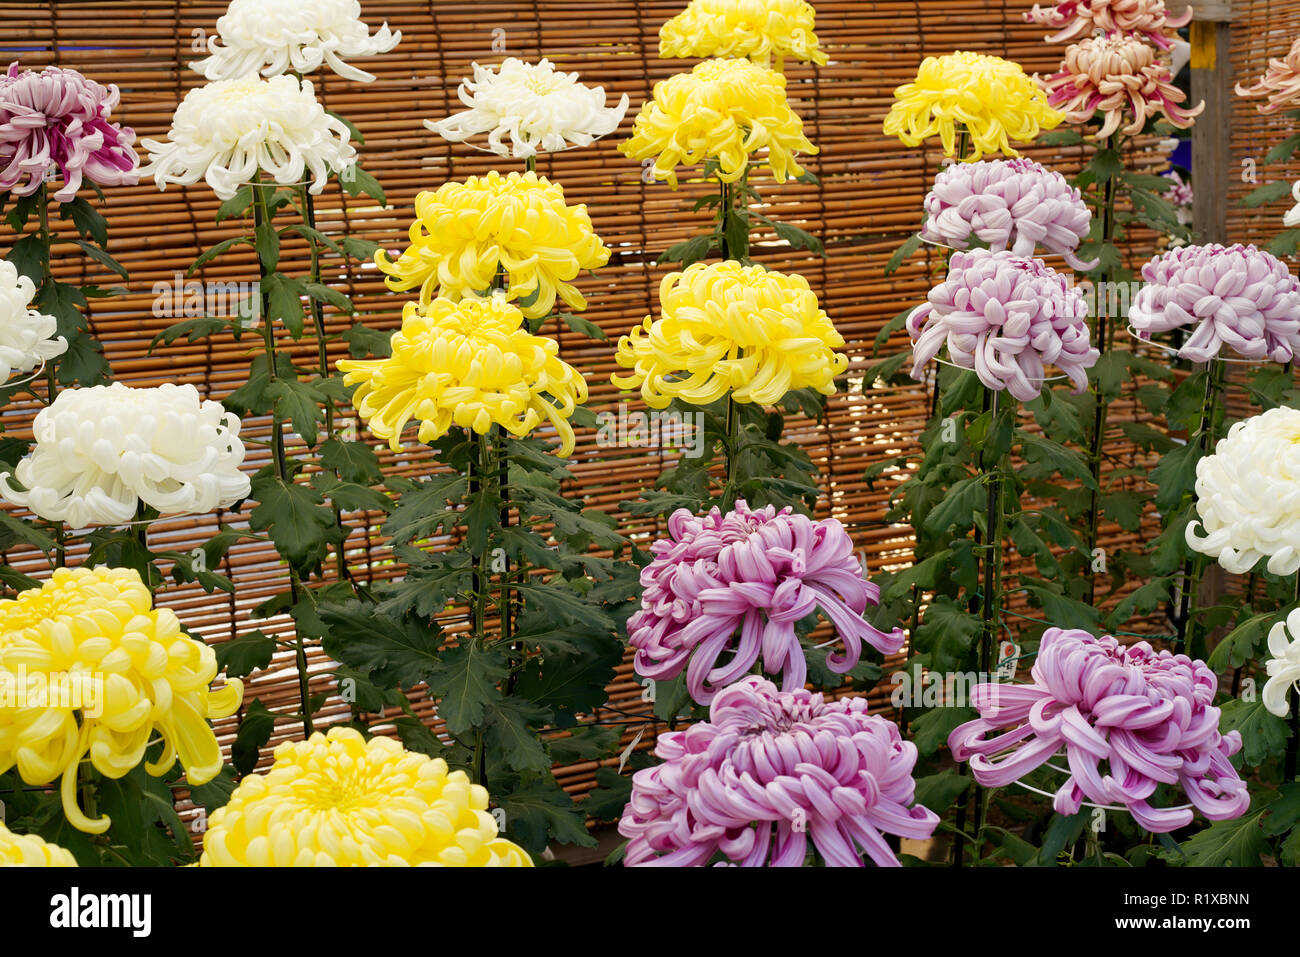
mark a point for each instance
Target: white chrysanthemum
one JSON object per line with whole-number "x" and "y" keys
{"x": 1248, "y": 496}
{"x": 276, "y": 36}
{"x": 228, "y": 130}
{"x": 27, "y": 337}
{"x": 1292, "y": 219}
{"x": 541, "y": 109}
{"x": 102, "y": 450}
{"x": 1284, "y": 666}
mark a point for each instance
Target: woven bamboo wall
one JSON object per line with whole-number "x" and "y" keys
{"x": 1261, "y": 30}
{"x": 869, "y": 200}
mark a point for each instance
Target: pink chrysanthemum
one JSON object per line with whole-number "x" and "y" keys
{"x": 1115, "y": 75}
{"x": 1012, "y": 204}
{"x": 1080, "y": 18}
{"x": 59, "y": 118}
{"x": 1008, "y": 318}
{"x": 737, "y": 584}
{"x": 1280, "y": 82}
{"x": 1129, "y": 720}
{"x": 768, "y": 772}
{"x": 1237, "y": 296}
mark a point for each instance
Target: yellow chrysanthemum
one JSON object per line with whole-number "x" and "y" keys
{"x": 730, "y": 328}
{"x": 93, "y": 670}
{"x": 337, "y": 800}
{"x": 465, "y": 234}
{"x": 758, "y": 29}
{"x": 994, "y": 99}
{"x": 470, "y": 364}
{"x": 30, "y": 850}
{"x": 724, "y": 110}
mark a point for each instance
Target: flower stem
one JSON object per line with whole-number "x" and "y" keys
{"x": 51, "y": 377}
{"x": 1101, "y": 336}
{"x": 1192, "y": 566}
{"x": 484, "y": 473}
{"x": 261, "y": 216}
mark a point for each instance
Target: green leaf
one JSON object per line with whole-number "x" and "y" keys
{"x": 583, "y": 743}
{"x": 1263, "y": 734}
{"x": 1125, "y": 509}
{"x": 910, "y": 245}
{"x": 946, "y": 635}
{"x": 1238, "y": 646}
{"x": 360, "y": 249}
{"x": 241, "y": 656}
{"x": 1238, "y": 843}
{"x": 293, "y": 516}
{"x": 363, "y": 341}
{"x": 1267, "y": 193}
{"x": 963, "y": 500}
{"x": 31, "y": 258}
{"x": 216, "y": 793}
{"x": 510, "y": 730}
{"x": 540, "y": 811}
{"x": 931, "y": 730}
{"x": 267, "y": 242}
{"x": 353, "y": 461}
{"x": 1048, "y": 459}
{"x": 466, "y": 681}
{"x": 570, "y": 685}
{"x": 687, "y": 253}
{"x": 237, "y": 204}
{"x": 284, "y": 301}
{"x": 799, "y": 238}
{"x": 1060, "y": 610}
{"x": 325, "y": 294}
{"x": 298, "y": 402}
{"x": 584, "y": 327}
{"x": 1175, "y": 476}
{"x": 213, "y": 252}
{"x": 254, "y": 732}
{"x": 1284, "y": 243}
{"x": 940, "y": 791}
{"x": 357, "y": 181}
{"x": 89, "y": 222}
{"x": 391, "y": 652}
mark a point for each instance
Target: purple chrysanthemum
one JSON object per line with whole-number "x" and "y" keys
{"x": 768, "y": 772}
{"x": 59, "y": 118}
{"x": 1008, "y": 318}
{"x": 1129, "y": 720}
{"x": 1012, "y": 204}
{"x": 737, "y": 584}
{"x": 1237, "y": 296}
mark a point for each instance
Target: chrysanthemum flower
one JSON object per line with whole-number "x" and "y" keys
{"x": 724, "y": 593}
{"x": 1115, "y": 75}
{"x": 993, "y": 99}
{"x": 1247, "y": 496}
{"x": 228, "y": 131}
{"x": 537, "y": 107}
{"x": 1292, "y": 219}
{"x": 470, "y": 364}
{"x": 27, "y": 337}
{"x": 59, "y": 118}
{"x": 1280, "y": 83}
{"x": 758, "y": 29}
{"x": 1080, "y": 18}
{"x": 337, "y": 800}
{"x": 100, "y": 451}
{"x": 769, "y": 774}
{"x": 727, "y": 328}
{"x": 1237, "y": 296}
{"x": 724, "y": 110}
{"x": 101, "y": 674}
{"x": 1012, "y": 204}
{"x": 31, "y": 850}
{"x": 1129, "y": 720}
{"x": 298, "y": 35}
{"x": 464, "y": 234}
{"x": 1008, "y": 319}
{"x": 1284, "y": 666}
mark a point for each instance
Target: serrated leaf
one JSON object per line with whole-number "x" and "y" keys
{"x": 242, "y": 655}
{"x": 391, "y": 652}
{"x": 466, "y": 682}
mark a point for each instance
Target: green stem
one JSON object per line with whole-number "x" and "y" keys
{"x": 1102, "y": 333}
{"x": 484, "y": 472}
{"x": 51, "y": 376}
{"x": 1192, "y": 567}
{"x": 261, "y": 216}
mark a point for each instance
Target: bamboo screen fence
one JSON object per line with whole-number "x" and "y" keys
{"x": 868, "y": 201}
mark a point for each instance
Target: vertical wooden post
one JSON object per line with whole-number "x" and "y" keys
{"x": 1211, "y": 69}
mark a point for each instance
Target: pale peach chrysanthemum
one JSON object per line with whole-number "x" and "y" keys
{"x": 1280, "y": 82}
{"x": 1115, "y": 76}
{"x": 1079, "y": 18}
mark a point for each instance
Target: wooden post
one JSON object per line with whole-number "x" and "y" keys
{"x": 1211, "y": 69}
